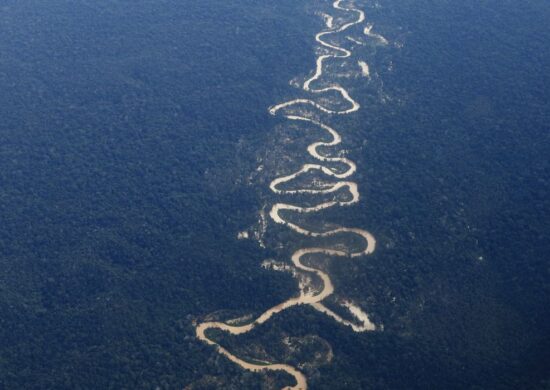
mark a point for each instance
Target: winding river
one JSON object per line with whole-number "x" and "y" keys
{"x": 279, "y": 210}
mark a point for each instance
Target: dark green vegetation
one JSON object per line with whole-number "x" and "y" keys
{"x": 128, "y": 132}
{"x": 459, "y": 194}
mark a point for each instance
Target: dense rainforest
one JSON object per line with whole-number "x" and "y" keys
{"x": 130, "y": 138}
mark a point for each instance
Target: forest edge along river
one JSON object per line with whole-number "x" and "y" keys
{"x": 313, "y": 299}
